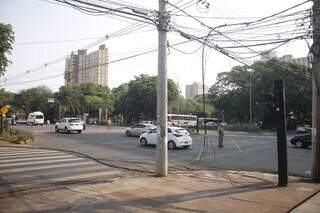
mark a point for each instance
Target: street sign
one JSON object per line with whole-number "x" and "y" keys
{"x": 4, "y": 109}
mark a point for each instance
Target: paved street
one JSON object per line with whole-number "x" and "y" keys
{"x": 27, "y": 168}
{"x": 241, "y": 151}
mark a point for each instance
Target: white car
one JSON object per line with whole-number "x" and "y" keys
{"x": 177, "y": 137}
{"x": 69, "y": 124}
{"x": 138, "y": 129}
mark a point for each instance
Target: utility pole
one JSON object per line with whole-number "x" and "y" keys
{"x": 315, "y": 51}
{"x": 162, "y": 150}
{"x": 250, "y": 99}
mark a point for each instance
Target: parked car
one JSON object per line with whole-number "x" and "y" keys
{"x": 149, "y": 122}
{"x": 21, "y": 121}
{"x": 177, "y": 137}
{"x": 303, "y": 129}
{"x": 138, "y": 129}
{"x": 69, "y": 124}
{"x": 301, "y": 141}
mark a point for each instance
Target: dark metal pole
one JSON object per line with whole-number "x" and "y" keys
{"x": 281, "y": 134}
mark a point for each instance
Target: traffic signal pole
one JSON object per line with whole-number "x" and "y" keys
{"x": 281, "y": 134}
{"x": 315, "y": 51}
{"x": 162, "y": 150}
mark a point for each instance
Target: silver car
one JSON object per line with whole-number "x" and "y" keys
{"x": 138, "y": 129}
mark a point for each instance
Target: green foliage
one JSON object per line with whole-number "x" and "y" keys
{"x": 195, "y": 107}
{"x": 138, "y": 99}
{"x": 6, "y": 40}
{"x": 16, "y": 135}
{"x": 34, "y": 99}
{"x": 86, "y": 97}
{"x": 230, "y": 94}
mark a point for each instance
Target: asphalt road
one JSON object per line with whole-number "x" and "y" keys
{"x": 252, "y": 152}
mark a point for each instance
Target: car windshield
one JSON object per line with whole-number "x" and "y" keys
{"x": 74, "y": 120}
{"x": 39, "y": 116}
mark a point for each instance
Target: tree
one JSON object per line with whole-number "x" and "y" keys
{"x": 195, "y": 106}
{"x": 230, "y": 94}
{"x": 6, "y": 40}
{"x": 137, "y": 100}
{"x": 96, "y": 97}
{"x": 70, "y": 100}
{"x": 34, "y": 99}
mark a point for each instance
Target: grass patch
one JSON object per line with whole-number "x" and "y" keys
{"x": 15, "y": 135}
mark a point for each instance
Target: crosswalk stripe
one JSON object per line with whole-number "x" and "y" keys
{"x": 35, "y": 158}
{"x": 84, "y": 176}
{"x": 46, "y": 174}
{"x": 27, "y": 153}
{"x": 39, "y": 162}
{"x": 45, "y": 167}
{"x": 32, "y": 155}
{"x": 9, "y": 151}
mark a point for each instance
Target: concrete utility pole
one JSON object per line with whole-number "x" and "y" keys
{"x": 315, "y": 51}
{"x": 162, "y": 150}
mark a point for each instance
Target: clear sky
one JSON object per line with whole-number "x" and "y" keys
{"x": 37, "y": 21}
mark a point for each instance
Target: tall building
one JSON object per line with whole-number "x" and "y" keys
{"x": 195, "y": 89}
{"x": 287, "y": 58}
{"x": 87, "y": 68}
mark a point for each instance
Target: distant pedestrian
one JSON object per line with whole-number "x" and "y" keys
{"x": 109, "y": 123}
{"x": 221, "y": 134}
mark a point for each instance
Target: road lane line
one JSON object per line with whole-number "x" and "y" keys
{"x": 35, "y": 158}
{"x": 84, "y": 176}
{"x": 236, "y": 144}
{"x": 247, "y": 150}
{"x": 44, "y": 167}
{"x": 39, "y": 162}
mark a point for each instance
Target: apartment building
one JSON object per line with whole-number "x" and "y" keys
{"x": 195, "y": 89}
{"x": 87, "y": 68}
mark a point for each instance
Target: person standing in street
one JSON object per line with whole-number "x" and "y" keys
{"x": 221, "y": 134}
{"x": 109, "y": 123}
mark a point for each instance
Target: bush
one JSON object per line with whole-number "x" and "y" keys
{"x": 17, "y": 135}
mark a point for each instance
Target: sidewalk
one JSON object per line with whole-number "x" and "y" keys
{"x": 183, "y": 191}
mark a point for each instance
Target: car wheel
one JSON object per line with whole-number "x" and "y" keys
{"x": 66, "y": 130}
{"x": 79, "y": 131}
{"x": 299, "y": 144}
{"x": 171, "y": 145}
{"x": 143, "y": 142}
{"x": 128, "y": 133}
{"x": 56, "y": 129}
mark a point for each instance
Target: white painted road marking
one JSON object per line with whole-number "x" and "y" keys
{"x": 28, "y": 153}
{"x": 45, "y": 167}
{"x": 236, "y": 144}
{"x": 35, "y": 158}
{"x": 40, "y": 162}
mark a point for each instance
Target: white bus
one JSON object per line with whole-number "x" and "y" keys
{"x": 182, "y": 120}
{"x": 35, "y": 118}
